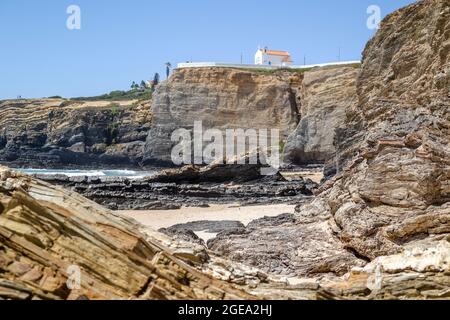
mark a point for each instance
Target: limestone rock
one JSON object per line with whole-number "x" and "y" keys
{"x": 174, "y": 188}
{"x": 392, "y": 191}
{"x": 422, "y": 271}
{"x": 48, "y": 235}
{"x": 326, "y": 95}
{"x": 56, "y": 132}
{"x": 222, "y": 98}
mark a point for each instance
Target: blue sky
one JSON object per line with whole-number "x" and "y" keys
{"x": 121, "y": 41}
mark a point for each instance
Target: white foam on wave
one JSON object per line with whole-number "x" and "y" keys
{"x": 88, "y": 173}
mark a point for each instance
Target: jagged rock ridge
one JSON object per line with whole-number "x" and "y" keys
{"x": 45, "y": 230}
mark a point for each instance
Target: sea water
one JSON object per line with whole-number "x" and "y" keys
{"x": 89, "y": 173}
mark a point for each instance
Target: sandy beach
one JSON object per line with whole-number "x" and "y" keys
{"x": 157, "y": 219}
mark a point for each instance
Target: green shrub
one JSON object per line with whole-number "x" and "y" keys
{"x": 115, "y": 107}
{"x": 119, "y": 95}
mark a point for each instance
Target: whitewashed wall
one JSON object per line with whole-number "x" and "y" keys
{"x": 253, "y": 66}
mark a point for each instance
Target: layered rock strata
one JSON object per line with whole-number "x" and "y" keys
{"x": 326, "y": 96}
{"x": 221, "y": 98}
{"x": 146, "y": 194}
{"x": 62, "y": 133}
{"x": 55, "y": 244}
{"x": 391, "y": 194}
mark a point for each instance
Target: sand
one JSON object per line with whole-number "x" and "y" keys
{"x": 314, "y": 175}
{"x": 157, "y": 219}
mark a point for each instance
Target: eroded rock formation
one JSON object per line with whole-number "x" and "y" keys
{"x": 62, "y": 133}
{"x": 379, "y": 229}
{"x": 326, "y": 95}
{"x": 189, "y": 186}
{"x": 392, "y": 193}
{"x": 45, "y": 231}
{"x": 56, "y": 133}
{"x": 244, "y": 99}
{"x": 399, "y": 176}
{"x": 222, "y": 98}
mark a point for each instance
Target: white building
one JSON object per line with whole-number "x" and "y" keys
{"x": 273, "y": 58}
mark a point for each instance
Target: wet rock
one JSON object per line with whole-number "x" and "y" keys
{"x": 156, "y": 205}
{"x": 286, "y": 246}
{"x": 207, "y": 225}
{"x": 55, "y": 133}
{"x": 46, "y": 231}
{"x": 219, "y": 172}
{"x": 143, "y": 194}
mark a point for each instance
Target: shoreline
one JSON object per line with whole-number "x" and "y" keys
{"x": 159, "y": 219}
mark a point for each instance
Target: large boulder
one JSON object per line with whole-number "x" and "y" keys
{"x": 238, "y": 169}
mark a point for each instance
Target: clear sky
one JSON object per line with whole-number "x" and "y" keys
{"x": 125, "y": 40}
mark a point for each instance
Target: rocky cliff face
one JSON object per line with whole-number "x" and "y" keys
{"x": 326, "y": 96}
{"x": 61, "y": 133}
{"x": 222, "y": 98}
{"x": 239, "y": 99}
{"x": 399, "y": 178}
{"x": 391, "y": 197}
{"x": 50, "y": 236}
{"x": 382, "y": 223}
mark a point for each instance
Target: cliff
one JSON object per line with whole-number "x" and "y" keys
{"x": 222, "y": 98}
{"x": 389, "y": 204}
{"x": 326, "y": 96}
{"x": 62, "y": 133}
{"x": 55, "y": 244}
{"x": 399, "y": 177}
{"x": 225, "y": 98}
{"x": 380, "y": 228}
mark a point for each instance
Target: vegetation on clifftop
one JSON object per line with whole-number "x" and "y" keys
{"x": 119, "y": 95}
{"x": 301, "y": 71}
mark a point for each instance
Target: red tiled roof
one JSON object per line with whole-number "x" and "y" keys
{"x": 278, "y": 53}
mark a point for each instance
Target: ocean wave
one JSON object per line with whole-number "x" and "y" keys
{"x": 88, "y": 173}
